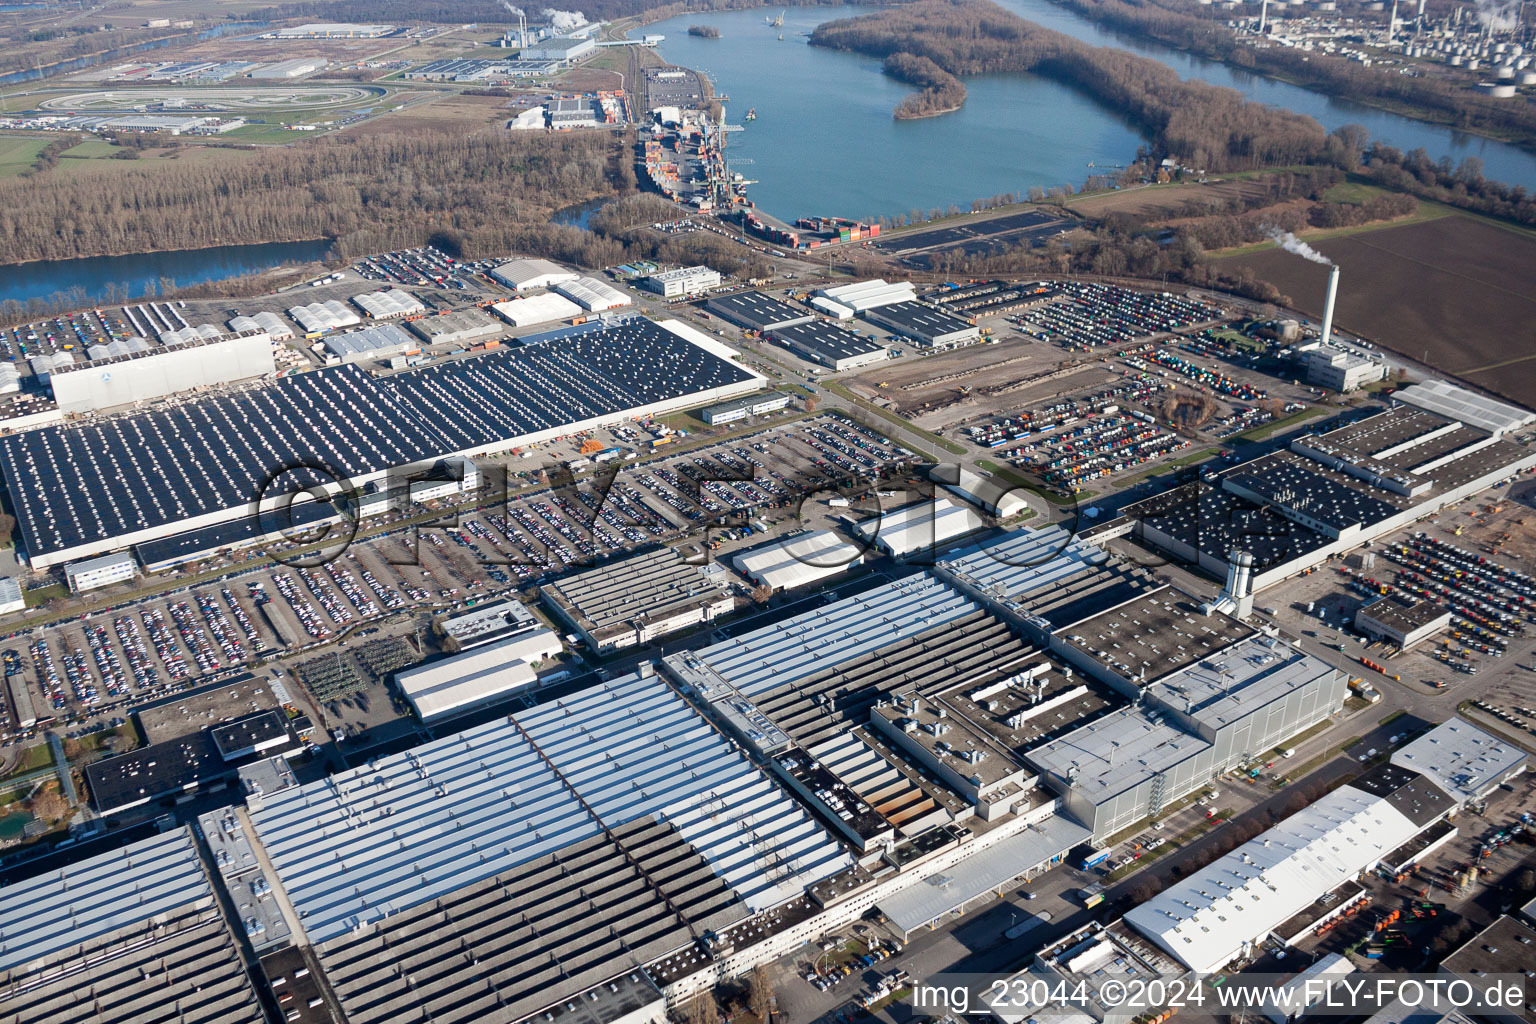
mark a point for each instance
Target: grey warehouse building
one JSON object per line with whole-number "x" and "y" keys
{"x": 635, "y": 600}
{"x": 1192, "y": 726}
{"x": 457, "y": 327}
{"x": 748, "y": 405}
{"x": 756, "y": 311}
{"x": 927, "y": 325}
{"x": 122, "y": 937}
{"x": 826, "y": 343}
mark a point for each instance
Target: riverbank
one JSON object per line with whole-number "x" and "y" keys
{"x": 1199, "y": 124}
{"x": 1429, "y": 101}
{"x": 46, "y": 287}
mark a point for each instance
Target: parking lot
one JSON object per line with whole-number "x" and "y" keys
{"x": 105, "y": 663}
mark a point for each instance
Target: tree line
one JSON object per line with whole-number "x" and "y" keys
{"x": 1202, "y": 125}
{"x": 941, "y": 91}
{"x": 482, "y": 195}
{"x": 1424, "y": 97}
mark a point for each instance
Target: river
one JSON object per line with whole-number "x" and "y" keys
{"x": 824, "y": 141}
{"x": 141, "y": 274}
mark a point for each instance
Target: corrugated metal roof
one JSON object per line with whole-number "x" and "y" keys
{"x": 836, "y": 633}
{"x": 1475, "y": 410}
{"x": 1209, "y": 917}
{"x": 411, "y": 827}
{"x": 800, "y": 559}
{"x": 633, "y": 746}
{"x": 99, "y": 896}
{"x": 933, "y": 897}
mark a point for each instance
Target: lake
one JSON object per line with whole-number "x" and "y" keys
{"x": 141, "y": 274}
{"x": 825, "y": 142}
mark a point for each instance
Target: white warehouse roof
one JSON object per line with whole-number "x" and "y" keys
{"x": 998, "y": 498}
{"x": 863, "y": 295}
{"x": 477, "y": 676}
{"x": 1461, "y": 759}
{"x": 376, "y": 341}
{"x": 536, "y": 309}
{"x": 925, "y": 526}
{"x": 1211, "y": 917}
{"x": 521, "y": 274}
{"x": 114, "y": 348}
{"x": 388, "y": 302}
{"x": 323, "y": 316}
{"x": 1452, "y": 402}
{"x": 590, "y": 293}
{"x": 266, "y": 320}
{"x": 800, "y": 560}
{"x": 181, "y": 336}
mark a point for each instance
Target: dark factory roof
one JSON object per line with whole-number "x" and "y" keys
{"x": 86, "y": 483}
{"x": 1300, "y": 486}
{"x": 190, "y": 544}
{"x": 919, "y": 319}
{"x": 825, "y": 341}
{"x": 1215, "y": 521}
{"x": 756, "y": 311}
{"x": 1419, "y": 800}
{"x": 76, "y": 484}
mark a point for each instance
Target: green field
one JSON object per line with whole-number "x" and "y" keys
{"x": 90, "y": 149}
{"x": 17, "y": 152}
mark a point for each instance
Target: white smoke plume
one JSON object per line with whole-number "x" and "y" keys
{"x": 564, "y": 21}
{"x": 1290, "y": 243}
{"x": 514, "y": 11}
{"x": 1499, "y": 17}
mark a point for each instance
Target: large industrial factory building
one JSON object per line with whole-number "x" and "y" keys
{"x": 84, "y": 489}
{"x": 1331, "y": 492}
{"x": 913, "y": 732}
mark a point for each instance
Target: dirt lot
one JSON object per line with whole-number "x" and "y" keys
{"x": 1165, "y": 199}
{"x": 1456, "y": 293}
{"x": 929, "y": 391}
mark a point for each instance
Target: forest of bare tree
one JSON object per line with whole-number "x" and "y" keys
{"x": 479, "y": 195}
{"x": 1428, "y": 97}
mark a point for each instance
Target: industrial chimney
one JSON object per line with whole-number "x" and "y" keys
{"x": 1333, "y": 291}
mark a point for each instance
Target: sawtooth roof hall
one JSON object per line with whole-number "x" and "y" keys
{"x": 84, "y": 489}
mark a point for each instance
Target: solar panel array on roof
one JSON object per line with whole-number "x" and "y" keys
{"x": 78, "y": 484}
{"x": 90, "y": 483}
{"x": 512, "y": 392}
